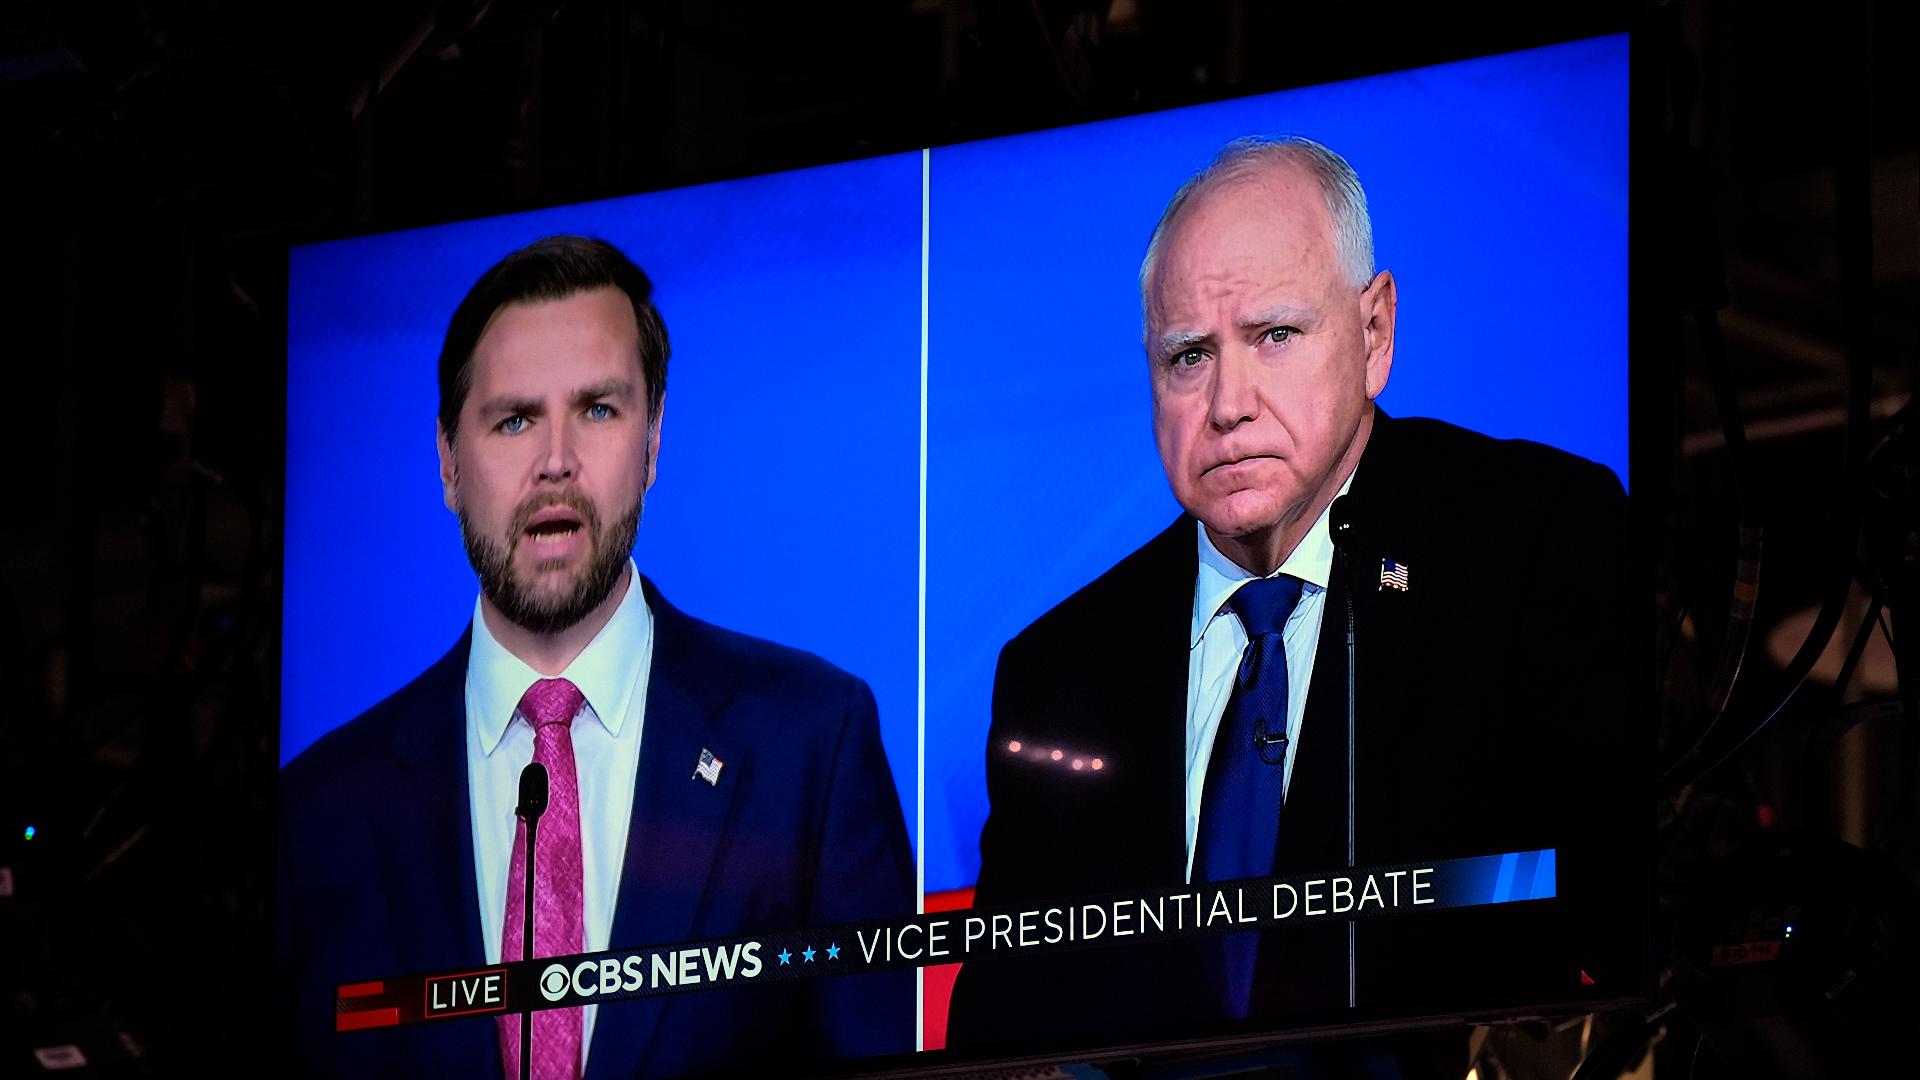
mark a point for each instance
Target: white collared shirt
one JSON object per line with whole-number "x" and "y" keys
{"x": 1219, "y": 642}
{"x": 611, "y": 673}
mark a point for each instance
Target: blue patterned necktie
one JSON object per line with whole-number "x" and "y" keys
{"x": 1240, "y": 802}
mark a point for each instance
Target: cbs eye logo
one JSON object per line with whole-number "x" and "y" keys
{"x": 553, "y": 982}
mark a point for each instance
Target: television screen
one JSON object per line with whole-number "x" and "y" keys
{"x": 1148, "y": 582}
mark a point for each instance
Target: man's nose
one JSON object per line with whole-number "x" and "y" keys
{"x": 1235, "y": 398}
{"x": 558, "y": 460}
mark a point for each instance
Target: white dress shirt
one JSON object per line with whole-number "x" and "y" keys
{"x": 1219, "y": 642}
{"x": 611, "y": 673}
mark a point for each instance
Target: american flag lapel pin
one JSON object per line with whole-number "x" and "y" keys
{"x": 708, "y": 768}
{"x": 1393, "y": 575}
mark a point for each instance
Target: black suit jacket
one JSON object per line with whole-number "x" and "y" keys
{"x": 1491, "y": 716}
{"x": 802, "y": 829}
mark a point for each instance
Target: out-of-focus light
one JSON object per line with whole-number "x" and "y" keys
{"x": 1079, "y": 763}
{"x": 1098, "y": 764}
{"x": 1057, "y": 755}
{"x": 1789, "y": 929}
{"x": 1013, "y": 747}
{"x": 31, "y": 832}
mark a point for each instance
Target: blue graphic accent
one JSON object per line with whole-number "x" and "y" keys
{"x": 785, "y": 957}
{"x": 1494, "y": 879}
{"x": 807, "y": 955}
{"x": 833, "y": 952}
{"x": 1503, "y": 881}
{"x": 1544, "y": 877}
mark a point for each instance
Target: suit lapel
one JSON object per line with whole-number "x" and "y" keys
{"x": 430, "y": 845}
{"x": 427, "y": 849}
{"x": 1383, "y": 667}
{"x": 1384, "y": 673}
{"x": 1156, "y": 673}
{"x": 677, "y": 819}
{"x": 1314, "y": 824}
{"x": 1313, "y": 821}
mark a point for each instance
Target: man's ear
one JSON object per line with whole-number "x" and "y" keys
{"x": 1377, "y": 305}
{"x": 449, "y": 471}
{"x": 653, "y": 441}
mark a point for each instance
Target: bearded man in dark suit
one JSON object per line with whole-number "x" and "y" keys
{"x": 705, "y": 783}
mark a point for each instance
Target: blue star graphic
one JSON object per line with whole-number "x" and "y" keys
{"x": 808, "y": 955}
{"x": 785, "y": 956}
{"x": 833, "y": 952}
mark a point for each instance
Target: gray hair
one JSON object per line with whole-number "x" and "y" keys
{"x": 1339, "y": 184}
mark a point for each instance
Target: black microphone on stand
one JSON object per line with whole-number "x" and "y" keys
{"x": 1347, "y": 521}
{"x": 533, "y": 803}
{"x": 1344, "y": 521}
{"x": 1350, "y": 523}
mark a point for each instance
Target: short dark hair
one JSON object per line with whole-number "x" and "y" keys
{"x": 553, "y": 268}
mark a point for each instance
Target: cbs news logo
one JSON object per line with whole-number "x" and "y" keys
{"x": 680, "y": 967}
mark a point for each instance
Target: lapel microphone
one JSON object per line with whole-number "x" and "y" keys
{"x": 1264, "y": 742}
{"x": 533, "y": 803}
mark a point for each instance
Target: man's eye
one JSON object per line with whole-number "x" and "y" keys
{"x": 1188, "y": 358}
{"x": 1280, "y": 334}
{"x": 600, "y": 410}
{"x": 514, "y": 425}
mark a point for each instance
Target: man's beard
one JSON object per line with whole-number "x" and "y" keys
{"x": 607, "y": 559}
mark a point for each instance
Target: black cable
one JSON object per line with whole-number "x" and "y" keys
{"x": 1859, "y": 647}
{"x": 1699, "y": 761}
{"x": 1704, "y": 292}
{"x": 1827, "y": 731}
{"x": 1894, "y": 543}
{"x": 1853, "y": 241}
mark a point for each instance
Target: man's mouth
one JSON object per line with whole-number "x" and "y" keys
{"x": 1242, "y": 460}
{"x": 553, "y": 526}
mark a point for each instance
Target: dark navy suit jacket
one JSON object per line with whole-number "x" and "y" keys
{"x": 1491, "y": 716}
{"x": 376, "y": 874}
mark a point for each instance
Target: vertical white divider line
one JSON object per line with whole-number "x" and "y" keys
{"x": 920, "y": 743}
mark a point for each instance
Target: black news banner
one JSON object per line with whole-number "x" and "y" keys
{"x": 947, "y": 937}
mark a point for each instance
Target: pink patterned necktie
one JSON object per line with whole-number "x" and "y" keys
{"x": 558, "y": 920}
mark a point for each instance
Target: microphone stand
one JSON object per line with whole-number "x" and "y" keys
{"x": 1343, "y": 529}
{"x": 533, "y": 803}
